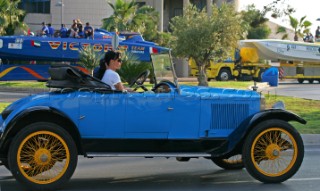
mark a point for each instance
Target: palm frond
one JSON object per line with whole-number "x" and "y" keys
{"x": 131, "y": 67}
{"x": 89, "y": 58}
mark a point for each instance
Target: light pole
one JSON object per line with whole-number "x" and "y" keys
{"x": 60, "y": 3}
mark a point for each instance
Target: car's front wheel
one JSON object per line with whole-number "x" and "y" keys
{"x": 42, "y": 156}
{"x": 273, "y": 151}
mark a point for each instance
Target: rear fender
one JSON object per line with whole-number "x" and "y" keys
{"x": 39, "y": 113}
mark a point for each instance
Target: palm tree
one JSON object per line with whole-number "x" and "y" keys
{"x": 131, "y": 67}
{"x": 11, "y": 17}
{"x": 300, "y": 27}
{"x": 123, "y": 12}
{"x": 89, "y": 58}
{"x": 282, "y": 30}
{"x": 146, "y": 21}
{"x": 127, "y": 16}
{"x": 15, "y": 17}
{"x": 4, "y": 5}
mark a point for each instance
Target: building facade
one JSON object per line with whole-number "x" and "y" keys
{"x": 57, "y": 12}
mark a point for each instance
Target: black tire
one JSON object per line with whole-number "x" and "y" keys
{"x": 229, "y": 163}
{"x": 224, "y": 75}
{"x": 273, "y": 151}
{"x": 311, "y": 81}
{"x": 42, "y": 156}
{"x": 300, "y": 80}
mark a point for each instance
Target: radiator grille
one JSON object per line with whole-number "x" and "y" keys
{"x": 228, "y": 116}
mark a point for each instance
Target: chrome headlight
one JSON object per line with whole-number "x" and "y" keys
{"x": 262, "y": 103}
{"x": 279, "y": 105}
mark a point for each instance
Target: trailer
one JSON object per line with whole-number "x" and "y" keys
{"x": 295, "y": 60}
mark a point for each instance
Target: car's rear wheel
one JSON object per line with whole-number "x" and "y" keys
{"x": 273, "y": 151}
{"x": 229, "y": 163}
{"x": 42, "y": 156}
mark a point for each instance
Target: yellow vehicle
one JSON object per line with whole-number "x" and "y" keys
{"x": 251, "y": 63}
{"x": 302, "y": 71}
{"x": 295, "y": 60}
{"x": 244, "y": 67}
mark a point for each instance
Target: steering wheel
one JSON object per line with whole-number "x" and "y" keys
{"x": 140, "y": 80}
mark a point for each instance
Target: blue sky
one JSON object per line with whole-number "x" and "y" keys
{"x": 310, "y": 8}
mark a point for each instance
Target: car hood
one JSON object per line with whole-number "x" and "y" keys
{"x": 217, "y": 93}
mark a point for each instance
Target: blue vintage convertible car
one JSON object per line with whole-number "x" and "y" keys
{"x": 43, "y": 134}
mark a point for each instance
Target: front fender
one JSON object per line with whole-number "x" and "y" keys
{"x": 236, "y": 138}
{"x": 276, "y": 114}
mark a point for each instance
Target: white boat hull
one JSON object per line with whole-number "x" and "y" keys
{"x": 282, "y": 50}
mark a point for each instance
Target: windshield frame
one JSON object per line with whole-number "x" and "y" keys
{"x": 168, "y": 58}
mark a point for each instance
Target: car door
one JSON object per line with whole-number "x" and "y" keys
{"x": 91, "y": 113}
{"x": 148, "y": 115}
{"x": 101, "y": 114}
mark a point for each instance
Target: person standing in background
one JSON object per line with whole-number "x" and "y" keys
{"x": 63, "y": 31}
{"x": 88, "y": 31}
{"x": 317, "y": 35}
{"x": 80, "y": 29}
{"x": 44, "y": 30}
{"x": 51, "y": 30}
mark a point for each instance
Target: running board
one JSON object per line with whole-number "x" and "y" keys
{"x": 148, "y": 155}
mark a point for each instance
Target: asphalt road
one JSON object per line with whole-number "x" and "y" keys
{"x": 293, "y": 88}
{"x": 163, "y": 174}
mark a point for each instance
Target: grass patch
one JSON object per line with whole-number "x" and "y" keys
{"x": 23, "y": 84}
{"x": 307, "y": 109}
{"x": 3, "y": 106}
{"x": 228, "y": 84}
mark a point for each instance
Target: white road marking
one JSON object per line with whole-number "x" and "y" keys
{"x": 252, "y": 181}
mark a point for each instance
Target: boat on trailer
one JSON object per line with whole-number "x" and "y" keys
{"x": 67, "y": 49}
{"x": 284, "y": 50}
{"x": 17, "y": 52}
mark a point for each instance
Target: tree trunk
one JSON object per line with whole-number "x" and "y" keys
{"x": 202, "y": 77}
{"x": 90, "y": 71}
{"x": 296, "y": 38}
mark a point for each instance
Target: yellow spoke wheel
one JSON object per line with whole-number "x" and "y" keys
{"x": 42, "y": 156}
{"x": 273, "y": 151}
